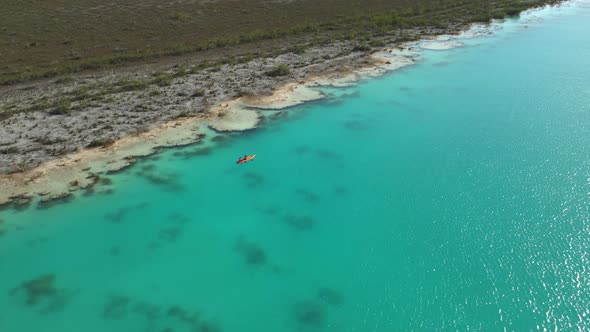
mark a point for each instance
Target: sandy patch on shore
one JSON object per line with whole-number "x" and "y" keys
{"x": 382, "y": 62}
{"x": 289, "y": 95}
{"x": 436, "y": 45}
{"x": 233, "y": 116}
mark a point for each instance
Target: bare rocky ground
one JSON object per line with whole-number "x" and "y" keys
{"x": 46, "y": 120}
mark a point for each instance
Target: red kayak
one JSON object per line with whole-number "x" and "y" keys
{"x": 245, "y": 160}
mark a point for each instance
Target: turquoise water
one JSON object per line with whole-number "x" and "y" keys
{"x": 450, "y": 195}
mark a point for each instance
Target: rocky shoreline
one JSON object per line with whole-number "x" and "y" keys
{"x": 48, "y": 153}
{"x": 54, "y": 118}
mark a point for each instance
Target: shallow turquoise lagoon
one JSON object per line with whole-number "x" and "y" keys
{"x": 449, "y": 195}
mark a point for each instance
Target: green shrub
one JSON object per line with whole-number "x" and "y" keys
{"x": 298, "y": 49}
{"x": 101, "y": 142}
{"x": 279, "y": 70}
{"x": 183, "y": 114}
{"x": 377, "y": 43}
{"x": 125, "y": 85}
{"x": 180, "y": 16}
{"x": 364, "y": 47}
{"x": 64, "y": 106}
{"x": 80, "y": 92}
{"x": 198, "y": 93}
{"x": 512, "y": 11}
{"x": 10, "y": 150}
{"x": 44, "y": 140}
{"x": 163, "y": 79}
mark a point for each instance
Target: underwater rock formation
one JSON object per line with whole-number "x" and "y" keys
{"x": 89, "y": 192}
{"x": 301, "y": 150}
{"x": 22, "y": 202}
{"x": 117, "y": 307}
{"x": 270, "y": 210}
{"x": 209, "y": 327}
{"x": 158, "y": 318}
{"x": 42, "y": 293}
{"x": 307, "y": 195}
{"x": 187, "y": 154}
{"x": 253, "y": 179}
{"x": 253, "y": 254}
{"x": 49, "y": 201}
{"x": 168, "y": 181}
{"x": 38, "y": 289}
{"x": 355, "y": 125}
{"x": 303, "y": 223}
{"x": 310, "y": 314}
{"x": 340, "y": 191}
{"x": 148, "y": 310}
{"x": 114, "y": 251}
{"x": 169, "y": 234}
{"x": 148, "y": 167}
{"x": 118, "y": 216}
{"x": 18, "y": 202}
{"x": 330, "y": 296}
{"x": 327, "y": 154}
{"x": 179, "y": 218}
